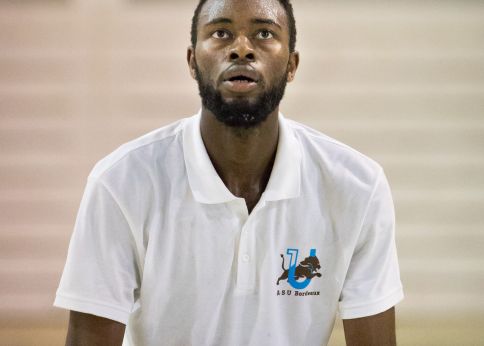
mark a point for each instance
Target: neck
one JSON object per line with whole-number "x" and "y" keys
{"x": 243, "y": 158}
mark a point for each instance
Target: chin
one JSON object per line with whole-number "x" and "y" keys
{"x": 249, "y": 96}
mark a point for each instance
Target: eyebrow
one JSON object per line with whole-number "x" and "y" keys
{"x": 219, "y": 20}
{"x": 255, "y": 21}
{"x": 265, "y": 21}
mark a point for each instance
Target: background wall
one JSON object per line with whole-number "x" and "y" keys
{"x": 403, "y": 82}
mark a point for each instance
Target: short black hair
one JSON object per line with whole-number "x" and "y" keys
{"x": 290, "y": 19}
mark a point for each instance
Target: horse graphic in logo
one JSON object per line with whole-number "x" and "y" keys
{"x": 308, "y": 268}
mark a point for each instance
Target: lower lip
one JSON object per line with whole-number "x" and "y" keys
{"x": 240, "y": 86}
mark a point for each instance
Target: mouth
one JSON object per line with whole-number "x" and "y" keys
{"x": 240, "y": 84}
{"x": 241, "y": 80}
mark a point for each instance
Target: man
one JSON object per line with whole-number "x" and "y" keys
{"x": 235, "y": 226}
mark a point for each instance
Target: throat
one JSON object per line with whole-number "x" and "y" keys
{"x": 246, "y": 181}
{"x": 244, "y": 163}
{"x": 250, "y": 194}
{"x": 251, "y": 202}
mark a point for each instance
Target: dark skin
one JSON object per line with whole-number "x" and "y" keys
{"x": 236, "y": 33}
{"x": 242, "y": 158}
{"x": 376, "y": 330}
{"x": 89, "y": 330}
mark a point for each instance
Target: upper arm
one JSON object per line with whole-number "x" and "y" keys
{"x": 87, "y": 329}
{"x": 377, "y": 329}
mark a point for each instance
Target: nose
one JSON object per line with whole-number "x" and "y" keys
{"x": 242, "y": 49}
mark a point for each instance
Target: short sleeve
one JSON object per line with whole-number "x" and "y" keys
{"x": 101, "y": 273}
{"x": 372, "y": 284}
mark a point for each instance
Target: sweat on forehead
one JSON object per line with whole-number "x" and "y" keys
{"x": 280, "y": 11}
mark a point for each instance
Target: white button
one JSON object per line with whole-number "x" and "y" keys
{"x": 245, "y": 258}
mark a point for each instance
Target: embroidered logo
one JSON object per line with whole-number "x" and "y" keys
{"x": 307, "y": 269}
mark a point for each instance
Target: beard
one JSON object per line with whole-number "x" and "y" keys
{"x": 241, "y": 113}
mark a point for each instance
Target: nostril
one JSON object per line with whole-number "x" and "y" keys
{"x": 234, "y": 56}
{"x": 250, "y": 56}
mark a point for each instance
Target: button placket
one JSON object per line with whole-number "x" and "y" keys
{"x": 246, "y": 266}
{"x": 246, "y": 263}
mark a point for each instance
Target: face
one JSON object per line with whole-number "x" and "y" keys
{"x": 242, "y": 61}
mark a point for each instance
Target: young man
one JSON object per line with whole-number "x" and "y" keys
{"x": 235, "y": 226}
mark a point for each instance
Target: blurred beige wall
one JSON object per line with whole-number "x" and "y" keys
{"x": 403, "y": 82}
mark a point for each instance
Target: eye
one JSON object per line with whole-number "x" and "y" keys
{"x": 264, "y": 34}
{"x": 221, "y": 34}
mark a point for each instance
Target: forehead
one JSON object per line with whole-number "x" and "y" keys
{"x": 243, "y": 9}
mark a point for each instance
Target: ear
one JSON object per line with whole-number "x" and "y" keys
{"x": 191, "y": 61}
{"x": 292, "y": 65}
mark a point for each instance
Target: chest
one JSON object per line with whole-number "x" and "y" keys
{"x": 219, "y": 248}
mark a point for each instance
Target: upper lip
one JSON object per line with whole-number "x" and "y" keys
{"x": 241, "y": 72}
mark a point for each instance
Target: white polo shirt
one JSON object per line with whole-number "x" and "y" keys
{"x": 161, "y": 244}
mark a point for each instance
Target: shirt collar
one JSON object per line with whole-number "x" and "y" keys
{"x": 208, "y": 187}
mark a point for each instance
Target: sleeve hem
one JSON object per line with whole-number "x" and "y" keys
{"x": 373, "y": 308}
{"x": 93, "y": 308}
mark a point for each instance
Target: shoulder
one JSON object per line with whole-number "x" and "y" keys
{"x": 131, "y": 155}
{"x": 334, "y": 159}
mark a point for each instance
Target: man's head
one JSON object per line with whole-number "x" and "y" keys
{"x": 242, "y": 56}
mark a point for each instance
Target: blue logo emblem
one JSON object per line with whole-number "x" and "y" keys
{"x": 307, "y": 269}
